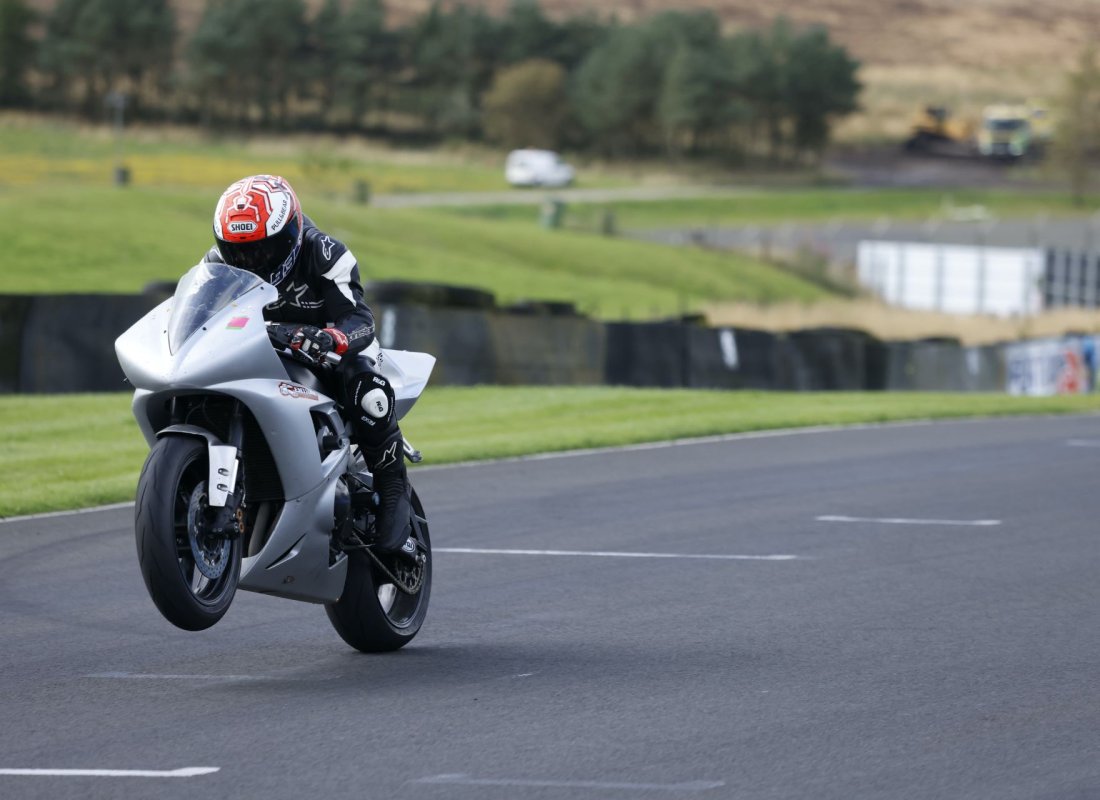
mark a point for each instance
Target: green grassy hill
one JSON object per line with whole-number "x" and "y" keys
{"x": 103, "y": 239}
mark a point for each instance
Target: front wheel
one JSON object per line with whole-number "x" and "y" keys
{"x": 373, "y": 615}
{"x": 190, "y": 573}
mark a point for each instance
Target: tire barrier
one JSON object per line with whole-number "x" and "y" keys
{"x": 65, "y": 343}
{"x": 556, "y": 308}
{"x": 68, "y": 341}
{"x": 13, "y": 315}
{"x": 437, "y": 295}
{"x": 473, "y": 347}
{"x": 823, "y": 359}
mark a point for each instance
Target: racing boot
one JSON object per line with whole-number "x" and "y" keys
{"x": 393, "y": 523}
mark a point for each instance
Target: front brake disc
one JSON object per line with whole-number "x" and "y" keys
{"x": 211, "y": 553}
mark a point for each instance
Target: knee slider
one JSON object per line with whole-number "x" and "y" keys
{"x": 376, "y": 403}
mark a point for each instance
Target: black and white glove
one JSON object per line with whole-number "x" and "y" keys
{"x": 315, "y": 342}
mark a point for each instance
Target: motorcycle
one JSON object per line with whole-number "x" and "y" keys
{"x": 252, "y": 481}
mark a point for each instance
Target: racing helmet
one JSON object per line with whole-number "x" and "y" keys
{"x": 258, "y": 226}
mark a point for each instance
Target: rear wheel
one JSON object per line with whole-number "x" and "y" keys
{"x": 374, "y": 615}
{"x": 190, "y": 573}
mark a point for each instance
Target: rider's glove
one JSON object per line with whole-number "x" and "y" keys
{"x": 315, "y": 342}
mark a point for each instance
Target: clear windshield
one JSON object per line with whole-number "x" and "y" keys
{"x": 202, "y": 293}
{"x": 1007, "y": 125}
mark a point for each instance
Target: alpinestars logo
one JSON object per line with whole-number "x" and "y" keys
{"x": 326, "y": 247}
{"x": 297, "y": 295}
{"x": 388, "y": 458}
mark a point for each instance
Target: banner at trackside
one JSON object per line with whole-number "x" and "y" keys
{"x": 1044, "y": 367}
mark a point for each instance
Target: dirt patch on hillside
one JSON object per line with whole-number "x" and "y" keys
{"x": 892, "y": 323}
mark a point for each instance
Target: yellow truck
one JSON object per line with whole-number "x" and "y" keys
{"x": 1012, "y": 132}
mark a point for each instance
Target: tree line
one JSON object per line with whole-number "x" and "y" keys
{"x": 674, "y": 83}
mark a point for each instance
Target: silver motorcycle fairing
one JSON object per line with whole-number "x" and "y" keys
{"x": 294, "y": 562}
{"x": 230, "y": 354}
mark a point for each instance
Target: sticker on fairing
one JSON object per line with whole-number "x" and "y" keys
{"x": 237, "y": 323}
{"x": 297, "y": 392}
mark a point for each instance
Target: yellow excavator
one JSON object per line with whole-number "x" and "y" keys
{"x": 936, "y": 130}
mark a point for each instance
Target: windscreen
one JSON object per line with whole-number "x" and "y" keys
{"x": 202, "y": 293}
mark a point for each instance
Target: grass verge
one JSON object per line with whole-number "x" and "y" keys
{"x": 72, "y": 451}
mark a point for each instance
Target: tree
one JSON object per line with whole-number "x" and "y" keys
{"x": 248, "y": 54}
{"x": 614, "y": 91}
{"x": 93, "y": 47}
{"x": 370, "y": 58}
{"x": 795, "y": 84}
{"x": 695, "y": 98}
{"x": 526, "y": 33}
{"x": 821, "y": 85}
{"x": 327, "y": 51}
{"x": 16, "y": 52}
{"x": 1077, "y": 136}
{"x": 454, "y": 55}
{"x": 526, "y": 105}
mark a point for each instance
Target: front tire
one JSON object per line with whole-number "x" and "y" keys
{"x": 171, "y": 501}
{"x": 372, "y": 615}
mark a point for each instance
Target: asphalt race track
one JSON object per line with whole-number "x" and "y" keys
{"x": 935, "y": 636}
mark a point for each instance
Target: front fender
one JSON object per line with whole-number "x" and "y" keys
{"x": 222, "y": 459}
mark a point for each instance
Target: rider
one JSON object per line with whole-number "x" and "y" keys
{"x": 259, "y": 227}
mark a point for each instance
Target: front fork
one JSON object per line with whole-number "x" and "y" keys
{"x": 222, "y": 490}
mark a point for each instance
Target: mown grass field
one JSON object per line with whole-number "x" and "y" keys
{"x": 103, "y": 239}
{"x": 35, "y": 151}
{"x": 824, "y": 204}
{"x": 74, "y": 451}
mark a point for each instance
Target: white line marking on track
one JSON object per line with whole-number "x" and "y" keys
{"x": 978, "y": 523}
{"x": 157, "y": 676}
{"x": 1084, "y": 443}
{"x": 491, "y": 551}
{"x": 466, "y": 780}
{"x": 52, "y": 514}
{"x": 183, "y": 772}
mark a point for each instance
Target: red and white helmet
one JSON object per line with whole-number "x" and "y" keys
{"x": 258, "y": 226}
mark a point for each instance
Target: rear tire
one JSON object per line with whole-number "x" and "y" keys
{"x": 372, "y": 615}
{"x": 171, "y": 488}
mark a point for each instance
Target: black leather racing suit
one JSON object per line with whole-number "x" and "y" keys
{"x": 323, "y": 289}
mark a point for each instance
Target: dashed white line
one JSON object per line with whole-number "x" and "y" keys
{"x": 492, "y": 551}
{"x": 163, "y": 676}
{"x": 978, "y": 523}
{"x": 466, "y": 780}
{"x": 183, "y": 772}
{"x": 159, "y": 676}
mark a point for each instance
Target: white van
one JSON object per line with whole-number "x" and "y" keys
{"x": 537, "y": 168}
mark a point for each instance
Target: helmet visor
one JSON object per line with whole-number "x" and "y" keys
{"x": 265, "y": 257}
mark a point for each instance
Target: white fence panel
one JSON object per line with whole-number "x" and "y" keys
{"x": 956, "y": 279}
